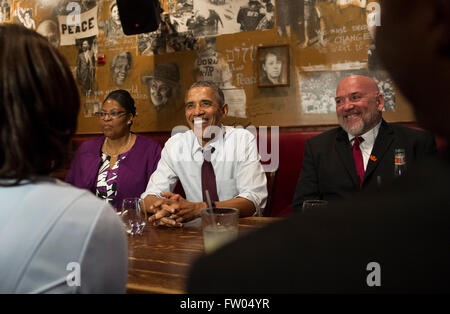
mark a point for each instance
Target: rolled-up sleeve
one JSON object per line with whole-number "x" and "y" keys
{"x": 164, "y": 178}
{"x": 250, "y": 179}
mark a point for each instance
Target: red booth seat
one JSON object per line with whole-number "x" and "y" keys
{"x": 282, "y": 180}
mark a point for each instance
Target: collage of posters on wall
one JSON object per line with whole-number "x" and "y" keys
{"x": 323, "y": 40}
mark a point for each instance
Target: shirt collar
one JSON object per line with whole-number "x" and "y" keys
{"x": 196, "y": 146}
{"x": 369, "y": 137}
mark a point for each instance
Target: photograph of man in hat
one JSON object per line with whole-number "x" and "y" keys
{"x": 162, "y": 83}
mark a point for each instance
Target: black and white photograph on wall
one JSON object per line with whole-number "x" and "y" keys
{"x": 267, "y": 22}
{"x": 182, "y": 15}
{"x": 65, "y": 7}
{"x": 273, "y": 66}
{"x": 150, "y": 44}
{"x": 157, "y": 42}
{"x": 49, "y": 29}
{"x": 318, "y": 89}
{"x": 168, "y": 25}
{"x": 86, "y": 5}
{"x": 5, "y": 11}
{"x": 324, "y": 20}
{"x": 169, "y": 39}
{"x": 162, "y": 84}
{"x": 217, "y": 17}
{"x": 373, "y": 11}
{"x": 120, "y": 67}
{"x": 311, "y": 23}
{"x": 211, "y": 65}
{"x": 178, "y": 6}
{"x": 112, "y": 27}
{"x": 75, "y": 24}
{"x": 85, "y": 74}
{"x": 201, "y": 21}
{"x": 24, "y": 16}
{"x": 90, "y": 108}
{"x": 249, "y": 15}
{"x": 289, "y": 17}
{"x": 182, "y": 41}
{"x": 165, "y": 39}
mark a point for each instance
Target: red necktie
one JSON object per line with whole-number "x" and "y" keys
{"x": 358, "y": 158}
{"x": 208, "y": 177}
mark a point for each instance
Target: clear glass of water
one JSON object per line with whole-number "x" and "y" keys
{"x": 133, "y": 215}
{"x": 220, "y": 226}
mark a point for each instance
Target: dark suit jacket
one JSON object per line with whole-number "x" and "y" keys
{"x": 329, "y": 172}
{"x": 404, "y": 227}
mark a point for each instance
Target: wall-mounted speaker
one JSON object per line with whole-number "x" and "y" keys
{"x": 139, "y": 16}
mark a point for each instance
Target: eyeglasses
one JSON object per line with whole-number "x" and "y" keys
{"x": 353, "y": 98}
{"x": 112, "y": 114}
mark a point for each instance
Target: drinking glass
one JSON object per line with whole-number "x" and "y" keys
{"x": 133, "y": 215}
{"x": 314, "y": 204}
{"x": 220, "y": 226}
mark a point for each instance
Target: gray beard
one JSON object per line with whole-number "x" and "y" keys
{"x": 356, "y": 130}
{"x": 361, "y": 128}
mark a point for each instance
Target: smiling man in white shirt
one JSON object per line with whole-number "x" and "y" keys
{"x": 209, "y": 149}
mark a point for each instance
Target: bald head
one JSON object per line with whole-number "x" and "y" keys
{"x": 360, "y": 82}
{"x": 359, "y": 104}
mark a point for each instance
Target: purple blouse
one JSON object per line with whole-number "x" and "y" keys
{"x": 132, "y": 175}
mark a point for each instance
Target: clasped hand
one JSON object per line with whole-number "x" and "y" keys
{"x": 173, "y": 210}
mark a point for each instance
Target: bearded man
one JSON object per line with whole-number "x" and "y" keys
{"x": 358, "y": 155}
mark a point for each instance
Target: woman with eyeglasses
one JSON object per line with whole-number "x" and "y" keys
{"x": 118, "y": 164}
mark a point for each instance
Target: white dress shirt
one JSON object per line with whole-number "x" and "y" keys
{"x": 367, "y": 145}
{"x": 236, "y": 164}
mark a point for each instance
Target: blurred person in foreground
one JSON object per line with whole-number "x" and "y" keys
{"x": 118, "y": 164}
{"x": 210, "y": 156}
{"x": 47, "y": 226}
{"x": 404, "y": 228}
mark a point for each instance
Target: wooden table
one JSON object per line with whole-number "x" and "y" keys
{"x": 159, "y": 260}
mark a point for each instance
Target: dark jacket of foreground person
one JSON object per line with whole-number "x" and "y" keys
{"x": 405, "y": 229}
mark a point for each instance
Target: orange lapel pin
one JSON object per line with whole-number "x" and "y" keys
{"x": 373, "y": 158}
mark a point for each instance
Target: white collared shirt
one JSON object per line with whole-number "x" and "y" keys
{"x": 236, "y": 164}
{"x": 367, "y": 145}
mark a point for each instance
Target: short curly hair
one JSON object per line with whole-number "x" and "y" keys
{"x": 220, "y": 97}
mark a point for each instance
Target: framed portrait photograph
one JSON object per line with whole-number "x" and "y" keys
{"x": 273, "y": 66}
